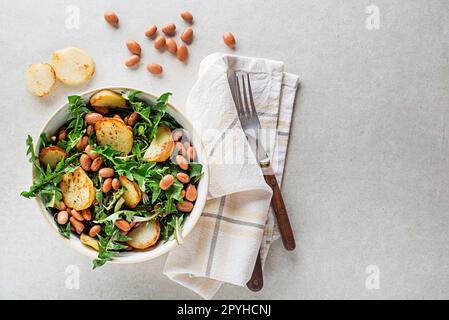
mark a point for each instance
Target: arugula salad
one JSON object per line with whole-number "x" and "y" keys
{"x": 121, "y": 173}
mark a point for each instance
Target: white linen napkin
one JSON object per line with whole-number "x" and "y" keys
{"x": 237, "y": 220}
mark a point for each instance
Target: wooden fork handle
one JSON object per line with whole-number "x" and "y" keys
{"x": 280, "y": 212}
{"x": 256, "y": 281}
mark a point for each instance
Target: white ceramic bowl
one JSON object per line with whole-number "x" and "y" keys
{"x": 60, "y": 117}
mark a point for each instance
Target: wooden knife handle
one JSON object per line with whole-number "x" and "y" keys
{"x": 280, "y": 212}
{"x": 256, "y": 281}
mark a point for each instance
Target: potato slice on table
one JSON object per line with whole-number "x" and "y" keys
{"x": 145, "y": 235}
{"x": 161, "y": 147}
{"x": 108, "y": 99}
{"x": 77, "y": 189}
{"x": 114, "y": 133}
{"x": 51, "y": 156}
{"x": 89, "y": 241}
{"x": 72, "y": 65}
{"x": 132, "y": 193}
{"x": 40, "y": 78}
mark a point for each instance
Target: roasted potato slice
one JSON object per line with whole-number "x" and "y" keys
{"x": 72, "y": 65}
{"x": 89, "y": 241}
{"x": 108, "y": 99}
{"x": 114, "y": 133}
{"x": 77, "y": 189}
{"x": 132, "y": 194}
{"x": 40, "y": 78}
{"x": 161, "y": 147}
{"x": 145, "y": 235}
{"x": 51, "y": 156}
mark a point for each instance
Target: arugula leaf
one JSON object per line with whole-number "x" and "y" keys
{"x": 108, "y": 247}
{"x": 65, "y": 230}
{"x": 45, "y": 141}
{"x": 76, "y": 126}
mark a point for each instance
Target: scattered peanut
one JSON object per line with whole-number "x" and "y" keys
{"x": 101, "y": 109}
{"x": 187, "y": 35}
{"x": 123, "y": 225}
{"x": 187, "y": 16}
{"x": 151, "y": 31}
{"x": 87, "y": 215}
{"x": 154, "y": 68}
{"x": 191, "y": 153}
{"x": 183, "y": 177}
{"x": 107, "y": 185}
{"x": 133, "y": 118}
{"x": 186, "y": 206}
{"x": 169, "y": 29}
{"x": 191, "y": 193}
{"x": 85, "y": 162}
{"x": 182, "y": 162}
{"x": 96, "y": 164}
{"x": 62, "y": 134}
{"x": 111, "y": 18}
{"x": 133, "y": 47}
{"x": 132, "y": 61}
{"x": 106, "y": 172}
{"x": 78, "y": 216}
{"x": 183, "y": 53}
{"x": 115, "y": 184}
{"x": 94, "y": 231}
{"x": 229, "y": 39}
{"x": 166, "y": 182}
{"x": 62, "y": 217}
{"x": 92, "y": 118}
{"x": 172, "y": 47}
{"x": 159, "y": 43}
{"x": 82, "y": 143}
{"x": 78, "y": 226}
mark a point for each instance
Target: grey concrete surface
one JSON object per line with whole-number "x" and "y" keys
{"x": 367, "y": 175}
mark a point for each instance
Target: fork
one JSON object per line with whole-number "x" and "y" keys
{"x": 249, "y": 120}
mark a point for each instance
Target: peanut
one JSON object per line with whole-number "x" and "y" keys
{"x": 78, "y": 216}
{"x": 187, "y": 16}
{"x": 177, "y": 135}
{"x": 107, "y": 185}
{"x": 187, "y": 35}
{"x": 90, "y": 130}
{"x": 183, "y": 177}
{"x": 132, "y": 61}
{"x": 229, "y": 39}
{"x": 94, "y": 231}
{"x": 133, "y": 47}
{"x": 151, "y": 31}
{"x": 62, "y": 217}
{"x": 78, "y": 226}
{"x": 115, "y": 184}
{"x": 96, "y": 164}
{"x": 87, "y": 215}
{"x": 166, "y": 182}
{"x": 82, "y": 143}
{"x": 123, "y": 225}
{"x": 85, "y": 162}
{"x": 183, "y": 193}
{"x": 172, "y": 47}
{"x": 186, "y": 206}
{"x": 182, "y": 162}
{"x": 133, "y": 118}
{"x": 106, "y": 172}
{"x": 62, "y": 134}
{"x": 111, "y": 18}
{"x": 169, "y": 29}
{"x": 101, "y": 109}
{"x": 92, "y": 155}
{"x": 191, "y": 193}
{"x": 183, "y": 53}
{"x": 60, "y": 206}
{"x": 154, "y": 68}
{"x": 92, "y": 118}
{"x": 159, "y": 43}
{"x": 191, "y": 153}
